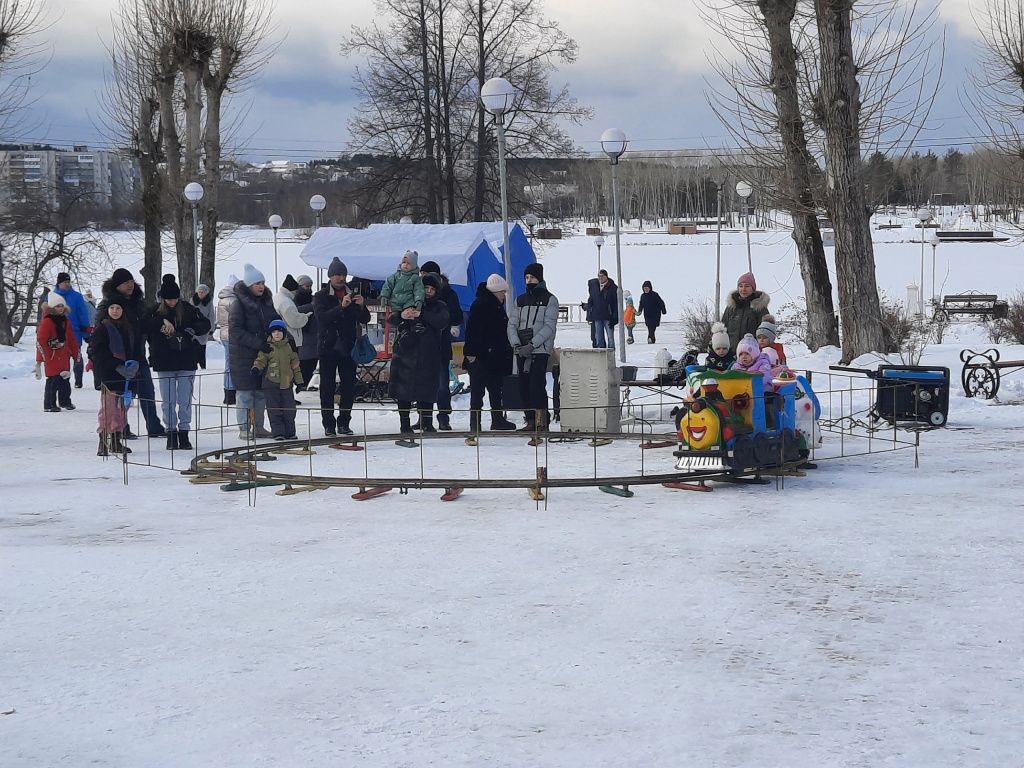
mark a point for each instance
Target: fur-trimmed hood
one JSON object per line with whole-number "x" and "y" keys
{"x": 758, "y": 300}
{"x": 110, "y": 292}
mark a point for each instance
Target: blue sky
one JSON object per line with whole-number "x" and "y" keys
{"x": 641, "y": 67}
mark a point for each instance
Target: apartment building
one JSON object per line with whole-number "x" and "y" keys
{"x": 47, "y": 176}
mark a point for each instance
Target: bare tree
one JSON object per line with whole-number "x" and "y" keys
{"x": 20, "y": 23}
{"x": 38, "y": 238}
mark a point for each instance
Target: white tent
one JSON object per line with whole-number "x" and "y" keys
{"x": 374, "y": 253}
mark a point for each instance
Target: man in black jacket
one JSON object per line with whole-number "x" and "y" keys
{"x": 338, "y": 315}
{"x": 451, "y": 300}
{"x": 602, "y": 310}
{"x": 122, "y": 286}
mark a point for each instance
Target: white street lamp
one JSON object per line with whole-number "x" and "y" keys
{"x": 194, "y": 193}
{"x": 613, "y": 142}
{"x": 718, "y": 259}
{"x": 744, "y": 190}
{"x": 275, "y": 222}
{"x": 317, "y": 203}
{"x": 923, "y": 215}
{"x": 599, "y": 241}
{"x": 933, "y": 241}
{"x": 497, "y": 95}
{"x": 532, "y": 220}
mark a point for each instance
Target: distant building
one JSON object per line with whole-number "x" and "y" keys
{"x": 48, "y": 176}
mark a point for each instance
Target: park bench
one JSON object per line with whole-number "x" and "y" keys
{"x": 986, "y": 305}
{"x": 982, "y": 372}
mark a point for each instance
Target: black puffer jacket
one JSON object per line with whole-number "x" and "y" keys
{"x": 135, "y": 309}
{"x": 104, "y": 364}
{"x": 417, "y": 354}
{"x": 310, "y": 335}
{"x": 487, "y": 333}
{"x": 248, "y": 319}
{"x": 337, "y": 327}
{"x": 455, "y": 317}
{"x": 180, "y": 351}
{"x": 742, "y": 316}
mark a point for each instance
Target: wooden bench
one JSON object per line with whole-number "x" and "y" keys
{"x": 982, "y": 372}
{"x": 986, "y": 305}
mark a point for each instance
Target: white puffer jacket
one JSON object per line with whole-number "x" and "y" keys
{"x": 284, "y": 303}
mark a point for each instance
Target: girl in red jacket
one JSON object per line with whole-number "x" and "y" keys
{"x": 56, "y": 351}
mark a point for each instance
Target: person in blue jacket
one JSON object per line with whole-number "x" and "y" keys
{"x": 80, "y": 317}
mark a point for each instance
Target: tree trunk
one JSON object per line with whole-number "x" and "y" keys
{"x": 798, "y": 195}
{"x": 6, "y": 330}
{"x": 211, "y": 196}
{"x": 839, "y": 106}
{"x": 444, "y": 93}
{"x": 172, "y": 156}
{"x": 190, "y": 171}
{"x": 429, "y": 161}
{"x": 152, "y": 198}
{"x": 481, "y": 125}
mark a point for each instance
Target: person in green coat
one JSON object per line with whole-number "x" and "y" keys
{"x": 277, "y": 364}
{"x": 745, "y": 308}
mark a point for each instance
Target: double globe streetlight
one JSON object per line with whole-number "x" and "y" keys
{"x": 613, "y": 142}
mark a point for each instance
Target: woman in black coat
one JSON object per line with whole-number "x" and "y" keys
{"x": 113, "y": 344}
{"x": 652, "y": 307}
{"x": 249, "y": 318}
{"x": 487, "y": 354}
{"x": 173, "y": 329}
{"x": 417, "y": 354}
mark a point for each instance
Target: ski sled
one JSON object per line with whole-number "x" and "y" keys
{"x": 248, "y": 485}
{"x": 353, "y": 446}
{"x": 370, "y": 493}
{"x": 451, "y": 494}
{"x": 658, "y": 444}
{"x": 472, "y": 442}
{"x": 597, "y": 442}
{"x": 535, "y": 441}
{"x": 407, "y": 443}
{"x": 698, "y": 486}
{"x": 300, "y": 451}
{"x": 291, "y": 490}
{"x": 615, "y": 490}
{"x": 535, "y": 493}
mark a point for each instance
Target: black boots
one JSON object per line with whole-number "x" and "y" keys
{"x": 172, "y": 440}
{"x": 499, "y": 423}
{"x": 112, "y": 445}
{"x": 444, "y": 422}
{"x": 403, "y": 421}
{"x": 229, "y": 397}
{"x": 475, "y": 418}
{"x": 102, "y": 450}
{"x": 427, "y": 421}
{"x": 183, "y": 441}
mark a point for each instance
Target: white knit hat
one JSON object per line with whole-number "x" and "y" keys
{"x": 496, "y": 283}
{"x": 55, "y": 300}
{"x": 719, "y": 336}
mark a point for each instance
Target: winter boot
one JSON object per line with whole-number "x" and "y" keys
{"x": 128, "y": 434}
{"x": 531, "y": 422}
{"x": 444, "y": 422}
{"x": 404, "y": 426}
{"x": 475, "y": 417}
{"x": 499, "y": 423}
{"x": 172, "y": 440}
{"x": 427, "y": 422}
{"x": 229, "y": 397}
{"x": 117, "y": 445}
{"x": 102, "y": 450}
{"x": 183, "y": 441}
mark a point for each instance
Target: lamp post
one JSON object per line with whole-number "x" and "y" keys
{"x": 532, "y": 220}
{"x": 613, "y": 142}
{"x": 317, "y": 203}
{"x": 923, "y": 215}
{"x": 194, "y": 193}
{"x": 497, "y": 95}
{"x": 933, "y": 241}
{"x": 718, "y": 259}
{"x": 743, "y": 189}
{"x": 275, "y": 224}
{"x": 599, "y": 241}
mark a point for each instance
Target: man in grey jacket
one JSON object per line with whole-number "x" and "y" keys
{"x": 531, "y": 332}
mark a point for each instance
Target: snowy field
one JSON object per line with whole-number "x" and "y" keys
{"x": 866, "y": 615}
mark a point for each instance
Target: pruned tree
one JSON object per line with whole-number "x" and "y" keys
{"x": 131, "y": 108}
{"x": 196, "y": 53}
{"x": 20, "y": 49}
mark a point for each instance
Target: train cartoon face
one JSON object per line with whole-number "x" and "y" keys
{"x": 730, "y": 424}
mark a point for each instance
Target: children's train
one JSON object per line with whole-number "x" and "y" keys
{"x": 730, "y": 424}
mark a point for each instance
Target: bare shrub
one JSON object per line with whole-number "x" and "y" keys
{"x": 903, "y": 332}
{"x": 1011, "y": 327}
{"x": 698, "y": 317}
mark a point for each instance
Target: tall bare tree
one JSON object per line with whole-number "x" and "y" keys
{"x": 20, "y": 23}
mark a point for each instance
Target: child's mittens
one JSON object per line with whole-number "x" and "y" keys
{"x": 37, "y": 371}
{"x": 65, "y": 374}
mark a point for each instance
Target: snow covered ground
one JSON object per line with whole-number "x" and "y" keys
{"x": 866, "y": 615}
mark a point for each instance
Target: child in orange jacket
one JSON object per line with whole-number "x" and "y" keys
{"x": 56, "y": 351}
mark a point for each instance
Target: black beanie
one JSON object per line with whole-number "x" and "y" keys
{"x": 289, "y": 283}
{"x": 62, "y": 277}
{"x": 121, "y": 276}
{"x": 432, "y": 267}
{"x": 433, "y": 280}
{"x": 169, "y": 288}
{"x": 536, "y": 270}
